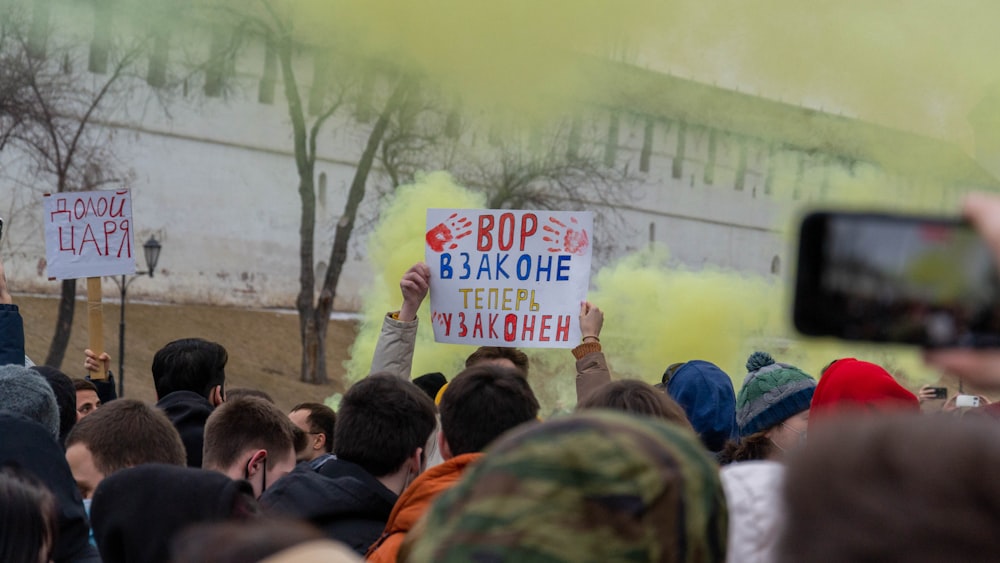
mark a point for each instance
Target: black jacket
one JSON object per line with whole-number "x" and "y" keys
{"x": 28, "y": 445}
{"x": 188, "y": 411}
{"x": 342, "y": 499}
{"x": 138, "y": 511}
{"x": 11, "y": 336}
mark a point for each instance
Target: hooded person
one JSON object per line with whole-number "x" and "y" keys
{"x": 33, "y": 448}
{"x": 26, "y": 392}
{"x": 593, "y": 486}
{"x": 137, "y": 511}
{"x": 706, "y": 394}
{"x": 772, "y": 410}
{"x": 853, "y": 386}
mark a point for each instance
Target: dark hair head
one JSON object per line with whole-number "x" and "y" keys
{"x": 27, "y": 518}
{"x": 755, "y": 447}
{"x": 483, "y": 402}
{"x": 245, "y": 424}
{"x": 913, "y": 488}
{"x": 382, "y": 420}
{"x": 321, "y": 419}
{"x": 80, "y": 384}
{"x": 189, "y": 364}
{"x": 65, "y": 392}
{"x": 492, "y": 353}
{"x": 239, "y": 392}
{"x": 238, "y": 542}
{"x": 636, "y": 397}
{"x": 125, "y": 433}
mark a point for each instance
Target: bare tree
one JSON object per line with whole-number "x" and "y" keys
{"x": 53, "y": 120}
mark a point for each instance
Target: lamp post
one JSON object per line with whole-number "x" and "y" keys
{"x": 151, "y": 249}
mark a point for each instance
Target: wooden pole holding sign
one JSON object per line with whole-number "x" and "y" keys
{"x": 95, "y": 322}
{"x": 89, "y": 235}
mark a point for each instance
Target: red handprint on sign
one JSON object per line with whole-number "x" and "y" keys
{"x": 573, "y": 240}
{"x": 445, "y": 233}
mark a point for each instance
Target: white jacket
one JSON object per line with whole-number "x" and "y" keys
{"x": 756, "y": 510}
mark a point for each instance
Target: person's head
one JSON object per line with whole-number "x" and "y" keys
{"x": 772, "y": 409}
{"x": 383, "y": 425}
{"x": 124, "y": 433}
{"x": 65, "y": 393}
{"x": 137, "y": 512}
{"x": 636, "y": 397}
{"x": 317, "y": 421}
{"x": 431, "y": 383}
{"x": 87, "y": 400}
{"x": 706, "y": 394}
{"x": 250, "y": 439}
{"x": 593, "y": 486}
{"x": 894, "y": 488}
{"x": 500, "y": 355}
{"x": 237, "y": 392}
{"x": 27, "y": 518}
{"x": 24, "y": 391}
{"x": 239, "y": 542}
{"x": 481, "y": 403}
{"x": 850, "y": 385}
{"x": 191, "y": 364}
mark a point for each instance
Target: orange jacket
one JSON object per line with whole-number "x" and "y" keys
{"x": 414, "y": 502}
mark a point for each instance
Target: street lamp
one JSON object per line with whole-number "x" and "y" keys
{"x": 151, "y": 249}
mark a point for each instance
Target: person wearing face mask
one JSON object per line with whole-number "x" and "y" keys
{"x": 772, "y": 411}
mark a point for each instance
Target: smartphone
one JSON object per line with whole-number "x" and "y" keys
{"x": 939, "y": 392}
{"x": 877, "y": 277}
{"x": 966, "y": 401}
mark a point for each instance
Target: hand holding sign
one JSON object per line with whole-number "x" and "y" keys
{"x": 414, "y": 286}
{"x": 518, "y": 282}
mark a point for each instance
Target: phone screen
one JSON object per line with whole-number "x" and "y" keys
{"x": 891, "y": 278}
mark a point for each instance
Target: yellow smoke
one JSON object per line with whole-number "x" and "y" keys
{"x": 655, "y": 314}
{"x": 396, "y": 244}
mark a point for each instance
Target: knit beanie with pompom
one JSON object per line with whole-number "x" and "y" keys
{"x": 772, "y": 393}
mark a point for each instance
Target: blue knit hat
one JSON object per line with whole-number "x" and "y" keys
{"x": 772, "y": 393}
{"x": 25, "y": 392}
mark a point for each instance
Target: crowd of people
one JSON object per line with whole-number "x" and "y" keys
{"x": 793, "y": 467}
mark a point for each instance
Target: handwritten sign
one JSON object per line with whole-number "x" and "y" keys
{"x": 508, "y": 278}
{"x": 89, "y": 234}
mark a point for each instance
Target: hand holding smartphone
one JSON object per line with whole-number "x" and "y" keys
{"x": 927, "y": 281}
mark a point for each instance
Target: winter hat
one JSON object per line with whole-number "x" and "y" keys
{"x": 65, "y": 392}
{"x": 706, "y": 394}
{"x": 772, "y": 393}
{"x": 137, "y": 511}
{"x": 431, "y": 383}
{"x": 593, "y": 486}
{"x": 25, "y": 391}
{"x": 853, "y": 385}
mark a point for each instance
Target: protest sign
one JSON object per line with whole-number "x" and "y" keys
{"x": 88, "y": 234}
{"x": 508, "y": 278}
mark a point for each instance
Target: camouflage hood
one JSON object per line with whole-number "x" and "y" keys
{"x": 595, "y": 486}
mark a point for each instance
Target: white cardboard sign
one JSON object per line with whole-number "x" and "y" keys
{"x": 89, "y": 234}
{"x": 508, "y": 278}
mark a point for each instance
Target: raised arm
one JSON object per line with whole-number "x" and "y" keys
{"x": 591, "y": 366}
{"x": 394, "y": 350}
